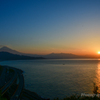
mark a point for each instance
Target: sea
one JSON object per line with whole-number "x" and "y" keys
{"x": 52, "y": 78}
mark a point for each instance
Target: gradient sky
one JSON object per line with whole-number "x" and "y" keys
{"x": 50, "y": 26}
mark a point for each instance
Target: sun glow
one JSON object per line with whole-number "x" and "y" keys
{"x": 98, "y": 52}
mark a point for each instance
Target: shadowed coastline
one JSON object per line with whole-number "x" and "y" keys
{"x": 12, "y": 85}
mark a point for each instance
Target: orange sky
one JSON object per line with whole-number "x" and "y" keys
{"x": 47, "y": 26}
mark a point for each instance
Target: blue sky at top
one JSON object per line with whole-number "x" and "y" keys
{"x": 45, "y": 26}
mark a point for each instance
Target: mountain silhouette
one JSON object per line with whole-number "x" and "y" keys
{"x": 61, "y": 56}
{"x": 48, "y": 56}
{"x": 6, "y": 49}
{"x": 10, "y": 56}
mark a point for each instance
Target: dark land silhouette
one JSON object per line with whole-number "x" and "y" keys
{"x": 10, "y": 54}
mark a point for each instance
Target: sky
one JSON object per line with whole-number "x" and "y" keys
{"x": 50, "y": 26}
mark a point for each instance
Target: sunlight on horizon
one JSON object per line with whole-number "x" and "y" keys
{"x": 98, "y": 52}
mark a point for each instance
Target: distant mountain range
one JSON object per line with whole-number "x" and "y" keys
{"x": 10, "y": 56}
{"x": 6, "y": 49}
{"x": 60, "y": 56}
{"x": 13, "y": 53}
{"x": 67, "y": 56}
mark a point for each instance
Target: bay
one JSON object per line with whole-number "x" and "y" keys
{"x": 52, "y": 78}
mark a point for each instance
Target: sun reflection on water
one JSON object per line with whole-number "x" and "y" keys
{"x": 98, "y": 76}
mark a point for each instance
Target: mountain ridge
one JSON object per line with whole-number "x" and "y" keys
{"x": 48, "y": 56}
{"x": 7, "y": 49}
{"x": 10, "y": 56}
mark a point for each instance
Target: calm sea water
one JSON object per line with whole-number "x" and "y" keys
{"x": 59, "y": 78}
